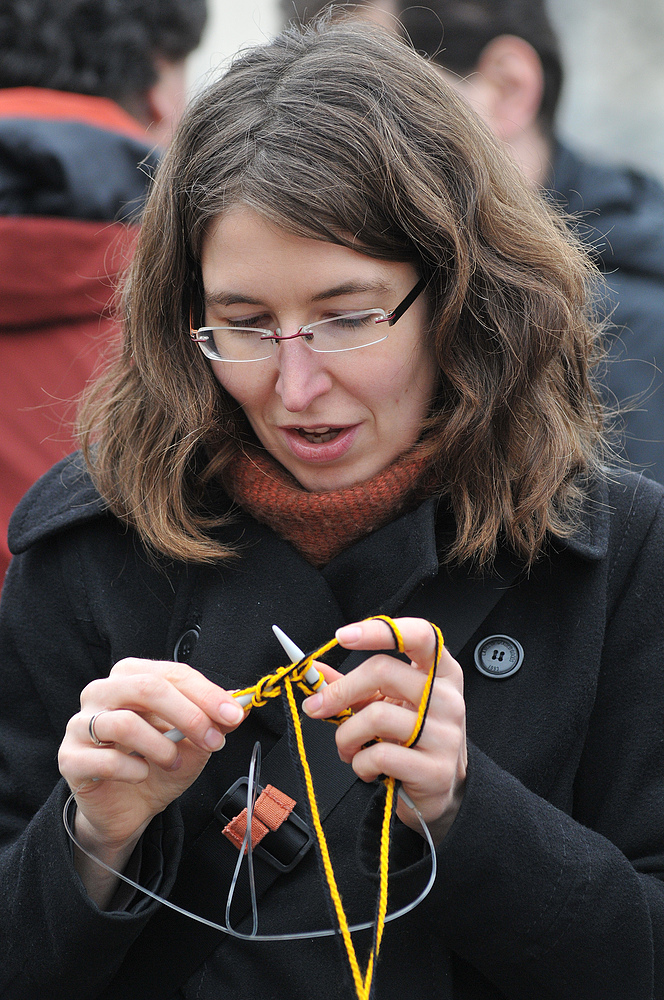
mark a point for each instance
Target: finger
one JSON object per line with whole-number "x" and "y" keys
{"x": 381, "y": 720}
{"x": 80, "y": 765}
{"x": 394, "y": 760}
{"x": 133, "y": 733}
{"x": 148, "y": 694}
{"x": 425, "y": 777}
{"x": 379, "y": 677}
{"x": 329, "y": 673}
{"x": 418, "y": 636}
{"x": 384, "y": 720}
{"x": 217, "y": 703}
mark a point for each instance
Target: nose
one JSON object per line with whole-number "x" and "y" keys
{"x": 303, "y": 375}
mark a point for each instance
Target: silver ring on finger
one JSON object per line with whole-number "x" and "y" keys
{"x": 91, "y": 729}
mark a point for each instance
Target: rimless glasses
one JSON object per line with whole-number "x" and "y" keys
{"x": 345, "y": 332}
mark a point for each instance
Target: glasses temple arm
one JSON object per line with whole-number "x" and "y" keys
{"x": 406, "y": 303}
{"x": 193, "y": 331}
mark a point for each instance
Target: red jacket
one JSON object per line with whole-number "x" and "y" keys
{"x": 70, "y": 171}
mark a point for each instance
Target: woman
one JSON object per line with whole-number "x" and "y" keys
{"x": 263, "y": 454}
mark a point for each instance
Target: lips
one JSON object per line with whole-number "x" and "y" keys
{"x": 319, "y": 444}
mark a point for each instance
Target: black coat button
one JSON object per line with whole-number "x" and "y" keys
{"x": 498, "y": 656}
{"x": 186, "y": 644}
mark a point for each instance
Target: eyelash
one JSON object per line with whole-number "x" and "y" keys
{"x": 263, "y": 322}
{"x": 352, "y": 324}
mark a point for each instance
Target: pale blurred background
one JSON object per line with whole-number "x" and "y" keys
{"x": 232, "y": 24}
{"x": 613, "y": 102}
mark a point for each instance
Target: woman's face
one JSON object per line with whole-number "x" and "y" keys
{"x": 332, "y": 420}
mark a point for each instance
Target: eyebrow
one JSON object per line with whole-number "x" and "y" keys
{"x": 351, "y": 288}
{"x": 221, "y": 298}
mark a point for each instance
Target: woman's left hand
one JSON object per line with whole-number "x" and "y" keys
{"x": 385, "y": 694}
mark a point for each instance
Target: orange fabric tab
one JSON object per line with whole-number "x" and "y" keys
{"x": 237, "y": 828}
{"x": 271, "y": 809}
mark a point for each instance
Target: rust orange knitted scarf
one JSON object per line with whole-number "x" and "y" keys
{"x": 321, "y": 525}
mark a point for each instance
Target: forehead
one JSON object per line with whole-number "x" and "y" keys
{"x": 242, "y": 249}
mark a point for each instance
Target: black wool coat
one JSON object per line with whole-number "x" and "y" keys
{"x": 549, "y": 882}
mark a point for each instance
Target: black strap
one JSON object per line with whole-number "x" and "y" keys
{"x": 153, "y": 970}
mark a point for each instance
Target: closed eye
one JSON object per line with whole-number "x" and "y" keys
{"x": 353, "y": 322}
{"x": 261, "y": 322}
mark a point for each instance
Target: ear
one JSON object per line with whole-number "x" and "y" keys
{"x": 515, "y": 85}
{"x": 166, "y": 99}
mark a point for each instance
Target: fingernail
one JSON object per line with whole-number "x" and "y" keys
{"x": 214, "y": 740}
{"x": 348, "y": 634}
{"x": 312, "y": 704}
{"x": 231, "y": 712}
{"x": 176, "y": 763}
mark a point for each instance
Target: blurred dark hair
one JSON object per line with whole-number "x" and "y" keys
{"x": 454, "y": 32}
{"x": 101, "y": 47}
{"x": 341, "y": 133}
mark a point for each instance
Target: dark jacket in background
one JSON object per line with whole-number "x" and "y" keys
{"x": 69, "y": 172}
{"x": 550, "y": 879}
{"x": 621, "y": 214}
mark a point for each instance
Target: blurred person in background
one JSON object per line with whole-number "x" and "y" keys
{"x": 504, "y": 58}
{"x": 89, "y": 92}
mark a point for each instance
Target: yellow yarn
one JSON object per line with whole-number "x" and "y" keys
{"x": 285, "y": 677}
{"x": 322, "y": 842}
{"x": 270, "y": 685}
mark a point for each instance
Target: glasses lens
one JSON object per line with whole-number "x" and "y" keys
{"x": 327, "y": 336}
{"x": 347, "y": 332}
{"x": 237, "y": 343}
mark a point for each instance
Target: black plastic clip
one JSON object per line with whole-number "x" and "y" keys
{"x": 283, "y": 848}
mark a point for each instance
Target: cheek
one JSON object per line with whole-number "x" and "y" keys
{"x": 429, "y": 374}
{"x": 247, "y": 387}
{"x": 410, "y": 381}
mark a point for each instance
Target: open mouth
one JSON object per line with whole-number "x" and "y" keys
{"x": 320, "y": 436}
{"x": 321, "y": 443}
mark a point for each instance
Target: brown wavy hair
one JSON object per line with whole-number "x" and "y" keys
{"x": 344, "y": 134}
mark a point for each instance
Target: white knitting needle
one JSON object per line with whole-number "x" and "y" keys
{"x": 312, "y": 677}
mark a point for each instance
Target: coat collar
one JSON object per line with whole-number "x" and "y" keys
{"x": 61, "y": 499}
{"x": 590, "y": 541}
{"x": 401, "y": 554}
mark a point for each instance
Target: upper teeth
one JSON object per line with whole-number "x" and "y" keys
{"x": 323, "y": 433}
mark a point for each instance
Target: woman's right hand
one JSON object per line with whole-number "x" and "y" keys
{"x": 120, "y": 787}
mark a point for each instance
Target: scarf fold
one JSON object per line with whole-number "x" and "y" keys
{"x": 321, "y": 525}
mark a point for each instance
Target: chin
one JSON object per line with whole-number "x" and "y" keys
{"x": 325, "y": 481}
